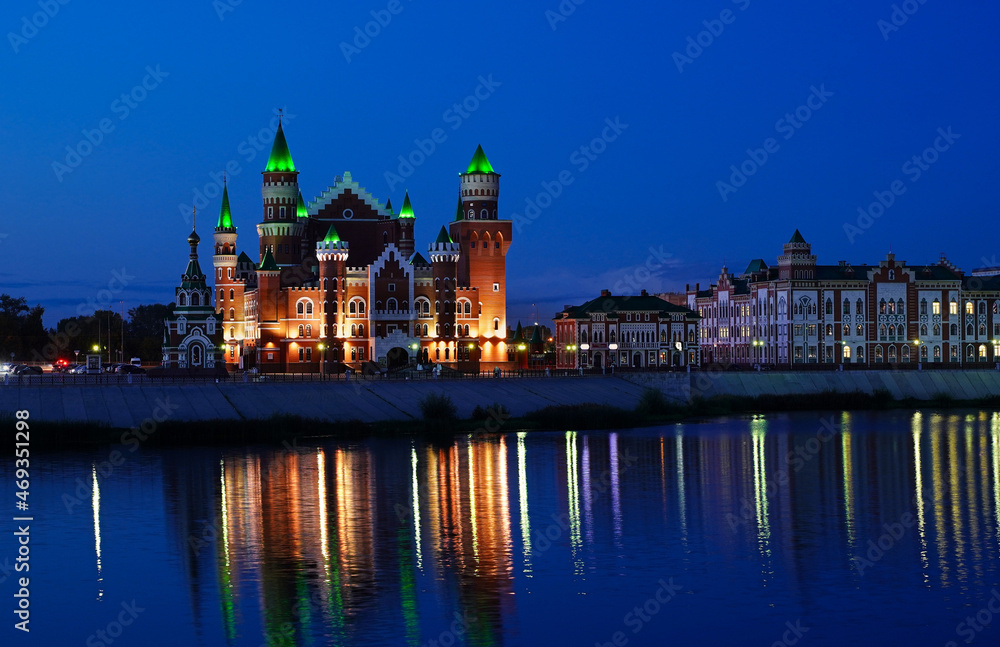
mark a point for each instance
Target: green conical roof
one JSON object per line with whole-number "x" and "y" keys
{"x": 443, "y": 236}
{"x": 536, "y": 335}
{"x": 519, "y": 335}
{"x": 267, "y": 263}
{"x": 225, "y": 215}
{"x": 407, "y": 210}
{"x": 388, "y": 206}
{"x": 244, "y": 258}
{"x": 459, "y": 213}
{"x": 331, "y": 235}
{"x": 479, "y": 163}
{"x": 417, "y": 259}
{"x": 280, "y": 160}
{"x": 797, "y": 237}
{"x": 300, "y": 209}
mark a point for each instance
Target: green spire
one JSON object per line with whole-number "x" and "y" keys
{"x": 479, "y": 163}
{"x": 388, "y": 206}
{"x": 443, "y": 236}
{"x": 417, "y": 259}
{"x": 519, "y": 335}
{"x": 331, "y": 235}
{"x": 300, "y": 209}
{"x": 281, "y": 159}
{"x": 536, "y": 335}
{"x": 797, "y": 237}
{"x": 459, "y": 213}
{"x": 225, "y": 215}
{"x": 267, "y": 263}
{"x": 407, "y": 210}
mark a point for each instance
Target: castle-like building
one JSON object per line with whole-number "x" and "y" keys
{"x": 802, "y": 312}
{"x": 340, "y": 282}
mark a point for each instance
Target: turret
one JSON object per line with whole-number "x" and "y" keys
{"x": 229, "y": 301}
{"x": 444, "y": 256}
{"x": 281, "y": 229}
{"x": 797, "y": 261}
{"x": 484, "y": 240}
{"x": 406, "y": 222}
{"x": 332, "y": 253}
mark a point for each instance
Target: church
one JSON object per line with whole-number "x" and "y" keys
{"x": 340, "y": 283}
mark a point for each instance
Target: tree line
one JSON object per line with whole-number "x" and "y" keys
{"x": 23, "y": 337}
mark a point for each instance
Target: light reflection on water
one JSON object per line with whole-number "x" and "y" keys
{"x": 544, "y": 538}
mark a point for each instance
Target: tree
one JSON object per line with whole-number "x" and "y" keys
{"x": 144, "y": 330}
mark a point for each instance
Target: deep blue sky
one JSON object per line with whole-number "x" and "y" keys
{"x": 654, "y": 186}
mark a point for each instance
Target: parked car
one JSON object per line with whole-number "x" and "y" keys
{"x": 60, "y": 365}
{"x": 129, "y": 369}
{"x": 6, "y": 368}
{"x": 78, "y": 369}
{"x": 28, "y": 370}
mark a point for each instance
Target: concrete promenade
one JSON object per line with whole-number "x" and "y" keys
{"x": 125, "y": 406}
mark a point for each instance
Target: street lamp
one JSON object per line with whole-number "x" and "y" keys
{"x": 322, "y": 359}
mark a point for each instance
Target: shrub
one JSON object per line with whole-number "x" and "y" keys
{"x": 654, "y": 403}
{"x": 490, "y": 411}
{"x": 438, "y": 411}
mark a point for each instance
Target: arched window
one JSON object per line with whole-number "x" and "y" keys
{"x": 309, "y": 307}
{"x": 309, "y": 331}
{"x": 923, "y": 352}
{"x": 232, "y": 295}
{"x": 969, "y": 332}
{"x": 391, "y": 305}
{"x": 221, "y": 294}
{"x": 829, "y": 306}
{"x": 232, "y": 314}
{"x": 968, "y": 308}
{"x": 354, "y": 330}
{"x": 847, "y": 330}
{"x": 878, "y": 354}
{"x": 954, "y": 330}
{"x": 468, "y": 307}
{"x": 302, "y": 331}
{"x": 182, "y": 299}
{"x": 299, "y": 308}
{"x": 905, "y": 354}
{"x": 982, "y": 330}
{"x": 829, "y": 330}
{"x": 437, "y": 330}
{"x": 496, "y": 323}
{"x": 882, "y": 308}
{"x": 847, "y": 311}
{"x": 232, "y": 332}
{"x": 447, "y": 330}
{"x": 663, "y": 336}
{"x": 425, "y": 330}
{"x": 881, "y": 331}
{"x": 923, "y": 330}
{"x": 466, "y": 330}
{"x": 859, "y": 308}
{"x": 936, "y": 307}
{"x": 361, "y": 330}
{"x": 353, "y": 308}
{"x": 437, "y": 285}
{"x": 847, "y": 352}
{"x": 195, "y": 299}
{"x": 937, "y": 330}
{"x": 923, "y": 306}
{"x": 427, "y": 307}
{"x": 899, "y": 307}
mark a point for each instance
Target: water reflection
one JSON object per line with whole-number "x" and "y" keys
{"x": 309, "y": 545}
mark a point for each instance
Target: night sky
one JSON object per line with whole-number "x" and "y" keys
{"x": 846, "y": 101}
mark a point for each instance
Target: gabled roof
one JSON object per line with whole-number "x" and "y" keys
{"x": 280, "y": 160}
{"x": 225, "y": 214}
{"x": 267, "y": 263}
{"x": 479, "y": 163}
{"x": 612, "y": 304}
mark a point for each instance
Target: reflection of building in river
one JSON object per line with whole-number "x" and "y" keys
{"x": 469, "y": 525}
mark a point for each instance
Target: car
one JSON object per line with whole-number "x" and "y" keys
{"x": 29, "y": 370}
{"x": 60, "y": 365}
{"x": 6, "y": 369}
{"x": 78, "y": 369}
{"x": 129, "y": 369}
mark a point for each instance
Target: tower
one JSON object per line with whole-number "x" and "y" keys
{"x": 332, "y": 253}
{"x": 192, "y": 336}
{"x": 229, "y": 297}
{"x": 484, "y": 240}
{"x": 797, "y": 261}
{"x": 444, "y": 266}
{"x": 281, "y": 228}
{"x": 406, "y": 222}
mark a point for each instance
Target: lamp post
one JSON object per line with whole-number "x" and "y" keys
{"x": 757, "y": 345}
{"x": 322, "y": 359}
{"x": 916, "y": 344}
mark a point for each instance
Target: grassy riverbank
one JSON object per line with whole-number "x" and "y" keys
{"x": 439, "y": 418}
